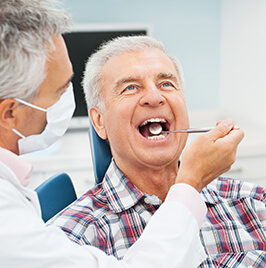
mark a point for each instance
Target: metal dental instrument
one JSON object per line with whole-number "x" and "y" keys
{"x": 194, "y": 130}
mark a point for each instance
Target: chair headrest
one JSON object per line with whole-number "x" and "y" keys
{"x": 101, "y": 154}
{"x": 55, "y": 194}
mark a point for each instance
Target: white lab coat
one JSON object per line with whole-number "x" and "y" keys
{"x": 171, "y": 238}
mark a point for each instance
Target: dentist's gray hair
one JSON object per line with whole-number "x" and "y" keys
{"x": 27, "y": 28}
{"x": 119, "y": 45}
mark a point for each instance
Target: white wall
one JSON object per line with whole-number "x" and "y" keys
{"x": 243, "y": 82}
{"x": 243, "y": 64}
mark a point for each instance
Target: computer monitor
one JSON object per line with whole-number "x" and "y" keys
{"x": 81, "y": 42}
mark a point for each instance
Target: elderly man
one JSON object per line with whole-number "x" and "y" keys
{"x": 36, "y": 106}
{"x": 134, "y": 91}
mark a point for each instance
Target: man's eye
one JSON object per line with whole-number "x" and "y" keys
{"x": 166, "y": 84}
{"x": 169, "y": 86}
{"x": 131, "y": 87}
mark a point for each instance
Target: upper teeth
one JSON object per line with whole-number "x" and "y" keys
{"x": 153, "y": 120}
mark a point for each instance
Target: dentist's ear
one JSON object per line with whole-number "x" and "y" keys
{"x": 8, "y": 113}
{"x": 97, "y": 120}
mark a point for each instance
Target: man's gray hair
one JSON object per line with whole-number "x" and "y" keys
{"x": 116, "y": 46}
{"x": 27, "y": 28}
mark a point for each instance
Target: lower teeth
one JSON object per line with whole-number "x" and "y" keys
{"x": 159, "y": 137}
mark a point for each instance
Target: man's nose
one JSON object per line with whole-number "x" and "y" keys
{"x": 152, "y": 96}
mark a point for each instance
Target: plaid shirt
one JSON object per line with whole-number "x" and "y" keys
{"x": 112, "y": 216}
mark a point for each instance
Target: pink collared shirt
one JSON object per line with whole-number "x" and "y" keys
{"x": 21, "y": 168}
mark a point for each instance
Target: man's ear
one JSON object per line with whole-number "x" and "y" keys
{"x": 97, "y": 120}
{"x": 8, "y": 113}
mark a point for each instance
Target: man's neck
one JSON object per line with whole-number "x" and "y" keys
{"x": 152, "y": 181}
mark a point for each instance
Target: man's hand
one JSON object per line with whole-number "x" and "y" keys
{"x": 209, "y": 155}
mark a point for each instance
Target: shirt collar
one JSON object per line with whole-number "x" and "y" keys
{"x": 21, "y": 168}
{"x": 123, "y": 194}
{"x": 120, "y": 192}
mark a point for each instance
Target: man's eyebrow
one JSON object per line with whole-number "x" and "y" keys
{"x": 65, "y": 85}
{"x": 131, "y": 79}
{"x": 168, "y": 75}
{"x": 125, "y": 80}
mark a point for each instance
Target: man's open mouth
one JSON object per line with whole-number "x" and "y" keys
{"x": 153, "y": 128}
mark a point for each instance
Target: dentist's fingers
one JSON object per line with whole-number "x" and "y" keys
{"x": 210, "y": 155}
{"x": 222, "y": 129}
{"x": 225, "y": 133}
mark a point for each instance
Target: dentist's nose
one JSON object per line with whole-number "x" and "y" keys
{"x": 152, "y": 96}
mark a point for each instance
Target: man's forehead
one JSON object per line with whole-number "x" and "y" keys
{"x": 131, "y": 65}
{"x": 133, "y": 55}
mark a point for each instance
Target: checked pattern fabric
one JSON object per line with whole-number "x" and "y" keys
{"x": 112, "y": 216}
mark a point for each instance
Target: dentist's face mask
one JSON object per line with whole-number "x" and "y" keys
{"x": 58, "y": 117}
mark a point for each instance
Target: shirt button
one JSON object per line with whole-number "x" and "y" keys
{"x": 153, "y": 200}
{"x": 147, "y": 200}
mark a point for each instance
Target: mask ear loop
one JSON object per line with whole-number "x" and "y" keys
{"x": 31, "y": 105}
{"x": 18, "y": 133}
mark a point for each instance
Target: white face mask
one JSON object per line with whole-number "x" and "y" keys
{"x": 58, "y": 117}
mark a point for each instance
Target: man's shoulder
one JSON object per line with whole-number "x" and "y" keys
{"x": 89, "y": 208}
{"x": 223, "y": 189}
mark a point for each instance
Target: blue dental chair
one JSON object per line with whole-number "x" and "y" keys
{"x": 58, "y": 192}
{"x": 101, "y": 154}
{"x": 55, "y": 194}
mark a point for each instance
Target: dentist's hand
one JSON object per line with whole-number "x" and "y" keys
{"x": 209, "y": 155}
